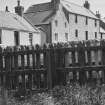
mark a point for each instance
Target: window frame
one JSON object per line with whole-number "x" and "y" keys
{"x": 56, "y": 36}
{"x": 56, "y": 23}
{"x": 76, "y": 33}
{"x": 76, "y": 18}
{"x": 31, "y": 38}
{"x": 0, "y": 36}
{"x": 95, "y": 35}
{"x": 65, "y": 25}
{"x": 66, "y": 36}
{"x": 17, "y": 38}
{"x": 86, "y": 35}
{"x": 86, "y": 21}
{"x": 95, "y": 22}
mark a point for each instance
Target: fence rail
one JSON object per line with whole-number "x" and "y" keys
{"x": 35, "y": 67}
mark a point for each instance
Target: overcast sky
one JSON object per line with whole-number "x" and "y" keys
{"x": 95, "y": 4}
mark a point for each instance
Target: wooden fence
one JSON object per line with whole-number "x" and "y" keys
{"x": 34, "y": 67}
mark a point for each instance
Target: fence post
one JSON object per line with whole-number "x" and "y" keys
{"x": 49, "y": 72}
{"x": 81, "y": 56}
{"x": 103, "y": 56}
{"x": 22, "y": 61}
{"x": 51, "y": 69}
{"x": 73, "y": 58}
{"x": 89, "y": 57}
{"x": 37, "y": 59}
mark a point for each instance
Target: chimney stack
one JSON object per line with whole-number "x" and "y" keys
{"x": 19, "y": 9}
{"x": 87, "y": 5}
{"x": 55, "y": 3}
{"x": 98, "y": 14}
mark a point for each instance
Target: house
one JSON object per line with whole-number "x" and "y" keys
{"x": 16, "y": 30}
{"x": 102, "y": 28}
{"x": 102, "y": 25}
{"x": 102, "y": 33}
{"x": 64, "y": 21}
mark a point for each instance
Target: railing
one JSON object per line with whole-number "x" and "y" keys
{"x": 35, "y": 67}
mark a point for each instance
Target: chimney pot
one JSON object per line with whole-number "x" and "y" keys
{"x": 98, "y": 14}
{"x": 87, "y": 5}
{"x": 18, "y": 2}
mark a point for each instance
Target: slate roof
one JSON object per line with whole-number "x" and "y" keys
{"x": 14, "y": 22}
{"x": 39, "y": 7}
{"x": 102, "y": 30}
{"x": 45, "y": 11}
{"x": 39, "y": 17}
{"x": 77, "y": 9}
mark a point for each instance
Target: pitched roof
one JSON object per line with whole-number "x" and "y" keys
{"x": 40, "y": 7}
{"x": 39, "y": 17}
{"x": 45, "y": 11}
{"x": 14, "y": 22}
{"x": 77, "y": 9}
{"x": 102, "y": 23}
{"x": 102, "y": 30}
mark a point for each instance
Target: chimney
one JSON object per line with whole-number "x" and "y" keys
{"x": 6, "y": 9}
{"x": 55, "y": 3}
{"x": 87, "y": 5}
{"x": 98, "y": 14}
{"x": 19, "y": 9}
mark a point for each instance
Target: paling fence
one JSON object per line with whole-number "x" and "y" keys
{"x": 34, "y": 67}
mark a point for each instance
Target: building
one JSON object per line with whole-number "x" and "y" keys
{"x": 16, "y": 30}
{"x": 102, "y": 25}
{"x": 102, "y": 28}
{"x": 63, "y": 21}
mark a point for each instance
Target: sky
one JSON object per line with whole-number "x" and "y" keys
{"x": 95, "y": 5}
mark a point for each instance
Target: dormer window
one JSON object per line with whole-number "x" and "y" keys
{"x": 56, "y": 23}
{"x": 76, "y": 19}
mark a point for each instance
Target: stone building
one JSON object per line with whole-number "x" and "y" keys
{"x": 63, "y": 21}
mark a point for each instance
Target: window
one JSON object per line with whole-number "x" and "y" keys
{"x": 66, "y": 36}
{"x": 65, "y": 24}
{"x": 96, "y": 35}
{"x": 76, "y": 33}
{"x": 95, "y": 23}
{"x": 16, "y": 37}
{"x": 31, "y": 38}
{"x": 56, "y": 23}
{"x": 86, "y": 20}
{"x": 101, "y": 36}
{"x": 0, "y": 35}
{"x": 76, "y": 19}
{"x": 56, "y": 36}
{"x": 86, "y": 33}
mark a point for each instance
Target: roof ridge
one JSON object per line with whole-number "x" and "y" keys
{"x": 38, "y": 11}
{"x": 73, "y": 3}
{"x": 40, "y": 4}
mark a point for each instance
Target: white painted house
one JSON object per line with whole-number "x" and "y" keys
{"x": 16, "y": 30}
{"x": 64, "y": 21}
